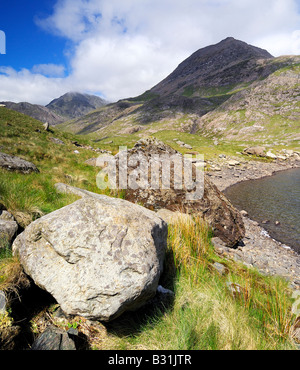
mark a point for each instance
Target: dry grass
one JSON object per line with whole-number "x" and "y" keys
{"x": 12, "y": 276}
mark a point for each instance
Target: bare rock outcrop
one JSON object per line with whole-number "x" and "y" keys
{"x": 13, "y": 163}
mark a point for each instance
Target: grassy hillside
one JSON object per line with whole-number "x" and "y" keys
{"x": 30, "y": 196}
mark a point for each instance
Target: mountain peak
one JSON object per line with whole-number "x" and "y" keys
{"x": 222, "y": 64}
{"x": 74, "y": 104}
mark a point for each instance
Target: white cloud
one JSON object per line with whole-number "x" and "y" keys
{"x": 24, "y": 85}
{"x": 281, "y": 43}
{"x": 123, "y": 48}
{"x": 50, "y": 70}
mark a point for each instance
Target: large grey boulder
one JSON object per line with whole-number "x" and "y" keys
{"x": 12, "y": 163}
{"x": 98, "y": 257}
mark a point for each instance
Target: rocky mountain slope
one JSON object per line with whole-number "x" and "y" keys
{"x": 266, "y": 109}
{"x": 225, "y": 64}
{"x": 230, "y": 90}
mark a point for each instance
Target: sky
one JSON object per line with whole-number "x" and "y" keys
{"x": 120, "y": 48}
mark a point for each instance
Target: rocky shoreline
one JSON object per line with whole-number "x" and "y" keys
{"x": 258, "y": 249}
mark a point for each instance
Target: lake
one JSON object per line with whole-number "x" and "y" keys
{"x": 271, "y": 200}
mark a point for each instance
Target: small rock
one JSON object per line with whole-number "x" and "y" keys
{"x": 3, "y": 302}
{"x": 46, "y": 126}
{"x": 6, "y": 216}
{"x": 76, "y": 151}
{"x": 258, "y": 151}
{"x": 163, "y": 290}
{"x": 72, "y": 331}
{"x": 271, "y": 155}
{"x": 220, "y": 268}
{"x": 233, "y": 163}
{"x": 235, "y": 289}
{"x": 282, "y": 157}
{"x": 8, "y": 230}
{"x": 91, "y": 162}
{"x": 218, "y": 243}
{"x": 12, "y": 163}
{"x": 54, "y": 338}
{"x": 288, "y": 152}
{"x": 57, "y": 141}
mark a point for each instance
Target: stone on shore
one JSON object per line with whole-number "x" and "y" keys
{"x": 259, "y": 151}
{"x": 98, "y": 257}
{"x": 271, "y": 155}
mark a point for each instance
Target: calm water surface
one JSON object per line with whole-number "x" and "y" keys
{"x": 275, "y": 198}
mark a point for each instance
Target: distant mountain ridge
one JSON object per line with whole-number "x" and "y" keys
{"x": 64, "y": 108}
{"x": 74, "y": 104}
{"x": 35, "y": 111}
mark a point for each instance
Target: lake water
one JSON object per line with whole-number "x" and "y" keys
{"x": 274, "y": 198}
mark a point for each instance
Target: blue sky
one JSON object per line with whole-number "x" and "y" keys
{"x": 26, "y": 43}
{"x": 120, "y": 48}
